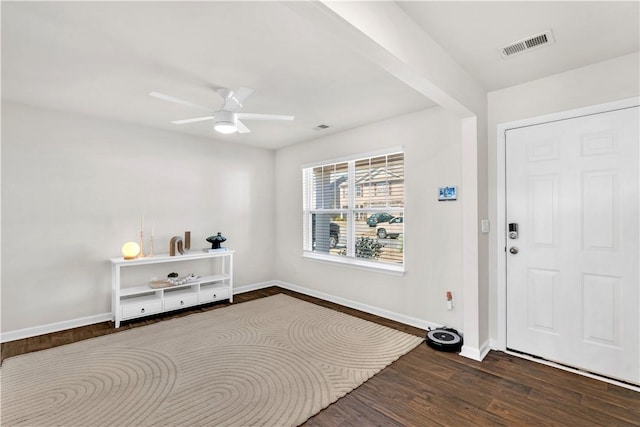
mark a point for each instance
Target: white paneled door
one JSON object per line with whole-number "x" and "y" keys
{"x": 572, "y": 209}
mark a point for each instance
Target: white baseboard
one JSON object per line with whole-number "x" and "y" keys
{"x": 90, "y": 320}
{"x": 54, "y": 327}
{"x": 253, "y": 287}
{"x": 495, "y": 345}
{"x": 407, "y": 320}
{"x": 105, "y": 317}
{"x": 476, "y": 353}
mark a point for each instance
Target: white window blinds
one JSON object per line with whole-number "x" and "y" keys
{"x": 354, "y": 209}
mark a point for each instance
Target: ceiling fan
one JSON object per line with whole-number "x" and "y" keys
{"x": 226, "y": 119}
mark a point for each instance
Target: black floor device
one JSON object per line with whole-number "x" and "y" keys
{"x": 444, "y": 339}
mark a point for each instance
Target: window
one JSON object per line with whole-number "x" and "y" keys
{"x": 353, "y": 211}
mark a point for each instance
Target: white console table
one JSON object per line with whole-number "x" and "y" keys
{"x": 132, "y": 295}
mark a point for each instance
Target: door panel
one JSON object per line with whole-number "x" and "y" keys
{"x": 600, "y": 204}
{"x": 572, "y": 186}
{"x": 601, "y": 309}
{"x": 542, "y": 310}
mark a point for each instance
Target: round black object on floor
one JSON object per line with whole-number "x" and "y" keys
{"x": 444, "y": 339}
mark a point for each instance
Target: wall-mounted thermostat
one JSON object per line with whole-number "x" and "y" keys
{"x": 447, "y": 193}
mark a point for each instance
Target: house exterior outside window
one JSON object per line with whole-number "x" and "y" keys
{"x": 353, "y": 210}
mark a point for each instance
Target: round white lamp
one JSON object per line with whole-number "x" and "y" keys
{"x": 130, "y": 250}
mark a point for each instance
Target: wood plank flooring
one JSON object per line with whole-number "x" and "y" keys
{"x": 430, "y": 388}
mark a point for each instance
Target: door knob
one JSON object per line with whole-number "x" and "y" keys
{"x": 513, "y": 250}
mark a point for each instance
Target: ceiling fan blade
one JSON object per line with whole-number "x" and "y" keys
{"x": 257, "y": 116}
{"x": 242, "y": 93}
{"x": 224, "y": 93}
{"x": 241, "y": 127}
{"x": 195, "y": 119}
{"x": 233, "y": 99}
{"x": 179, "y": 101}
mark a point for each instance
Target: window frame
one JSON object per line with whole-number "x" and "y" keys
{"x": 350, "y": 260}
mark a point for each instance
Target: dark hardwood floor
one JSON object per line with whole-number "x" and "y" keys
{"x": 430, "y": 388}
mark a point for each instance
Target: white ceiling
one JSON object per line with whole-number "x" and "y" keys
{"x": 472, "y": 33}
{"x": 103, "y": 58}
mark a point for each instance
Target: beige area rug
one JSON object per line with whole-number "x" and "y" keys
{"x": 275, "y": 361}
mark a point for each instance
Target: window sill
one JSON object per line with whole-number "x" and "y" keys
{"x": 394, "y": 270}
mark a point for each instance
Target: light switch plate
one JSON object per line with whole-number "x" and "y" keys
{"x": 484, "y": 226}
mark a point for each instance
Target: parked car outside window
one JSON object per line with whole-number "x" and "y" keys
{"x": 377, "y": 218}
{"x": 391, "y": 230}
{"x": 334, "y": 233}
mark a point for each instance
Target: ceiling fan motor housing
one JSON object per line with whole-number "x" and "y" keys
{"x": 444, "y": 339}
{"x": 225, "y": 117}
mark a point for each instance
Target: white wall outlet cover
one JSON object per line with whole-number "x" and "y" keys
{"x": 484, "y": 226}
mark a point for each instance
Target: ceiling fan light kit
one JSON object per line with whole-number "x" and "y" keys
{"x": 225, "y": 119}
{"x": 225, "y": 128}
{"x": 225, "y": 122}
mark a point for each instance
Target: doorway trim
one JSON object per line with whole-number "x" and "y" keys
{"x": 501, "y": 236}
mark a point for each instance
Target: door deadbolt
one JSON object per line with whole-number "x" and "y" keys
{"x": 513, "y": 230}
{"x": 513, "y": 250}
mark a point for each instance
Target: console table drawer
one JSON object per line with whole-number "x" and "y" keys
{"x": 210, "y": 293}
{"x": 176, "y": 302}
{"x": 141, "y": 309}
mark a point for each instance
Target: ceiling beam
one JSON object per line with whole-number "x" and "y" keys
{"x": 385, "y": 35}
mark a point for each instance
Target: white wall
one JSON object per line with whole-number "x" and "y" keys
{"x": 602, "y": 82}
{"x": 433, "y": 242}
{"x": 74, "y": 189}
{"x": 387, "y": 36}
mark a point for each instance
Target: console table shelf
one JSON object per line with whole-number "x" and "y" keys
{"x": 133, "y": 297}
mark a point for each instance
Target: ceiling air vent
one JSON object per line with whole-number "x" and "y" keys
{"x": 532, "y": 42}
